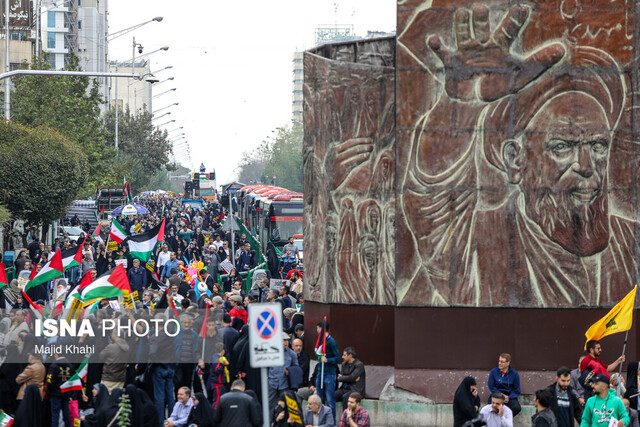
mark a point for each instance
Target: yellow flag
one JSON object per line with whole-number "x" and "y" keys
{"x": 619, "y": 319}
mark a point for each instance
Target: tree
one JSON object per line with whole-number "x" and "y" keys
{"x": 41, "y": 172}
{"x": 71, "y": 105}
{"x": 143, "y": 149}
{"x": 285, "y": 160}
{"x": 252, "y": 164}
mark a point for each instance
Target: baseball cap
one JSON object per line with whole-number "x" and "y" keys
{"x": 285, "y": 336}
{"x": 600, "y": 378}
{"x": 236, "y": 298}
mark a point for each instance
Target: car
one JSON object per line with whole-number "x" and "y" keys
{"x": 73, "y": 233}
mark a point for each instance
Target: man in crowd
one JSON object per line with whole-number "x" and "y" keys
{"x": 497, "y": 414}
{"x": 137, "y": 277}
{"x": 278, "y": 375}
{"x": 543, "y": 417}
{"x": 181, "y": 409}
{"x": 169, "y": 266}
{"x": 355, "y": 415}
{"x": 576, "y": 388}
{"x": 506, "y": 380}
{"x": 163, "y": 257}
{"x": 592, "y": 360}
{"x": 237, "y": 408}
{"x": 603, "y": 405}
{"x": 325, "y": 387}
{"x": 318, "y": 414}
{"x": 303, "y": 361}
{"x": 352, "y": 376}
{"x": 633, "y": 414}
{"x": 564, "y": 403}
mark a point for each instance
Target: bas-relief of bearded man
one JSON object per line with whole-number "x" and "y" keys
{"x": 546, "y": 122}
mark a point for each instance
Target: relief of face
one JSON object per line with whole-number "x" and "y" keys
{"x": 564, "y": 160}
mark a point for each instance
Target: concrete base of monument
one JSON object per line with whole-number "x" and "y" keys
{"x": 405, "y": 414}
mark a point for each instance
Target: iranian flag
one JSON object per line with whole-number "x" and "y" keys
{"x": 75, "y": 382}
{"x": 3, "y": 277}
{"x": 142, "y": 245}
{"x": 117, "y": 233}
{"x": 50, "y": 271}
{"x": 110, "y": 285}
{"x": 6, "y": 420}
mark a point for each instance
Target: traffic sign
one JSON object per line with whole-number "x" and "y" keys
{"x": 265, "y": 335}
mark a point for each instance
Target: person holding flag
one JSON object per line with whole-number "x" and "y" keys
{"x": 328, "y": 357}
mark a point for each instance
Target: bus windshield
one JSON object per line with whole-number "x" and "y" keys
{"x": 282, "y": 230}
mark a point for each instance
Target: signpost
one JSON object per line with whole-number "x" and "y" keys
{"x": 265, "y": 344}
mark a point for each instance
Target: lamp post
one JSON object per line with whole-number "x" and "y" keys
{"x": 161, "y": 115}
{"x": 168, "y": 67}
{"x": 164, "y": 108}
{"x": 173, "y": 130}
{"x": 164, "y": 81}
{"x": 162, "y": 93}
{"x": 166, "y": 123}
{"x": 133, "y": 60}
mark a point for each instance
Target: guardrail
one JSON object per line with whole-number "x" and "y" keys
{"x": 248, "y": 275}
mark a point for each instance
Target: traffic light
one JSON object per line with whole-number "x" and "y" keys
{"x": 196, "y": 183}
{"x": 212, "y": 176}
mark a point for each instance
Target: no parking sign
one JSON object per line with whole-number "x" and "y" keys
{"x": 265, "y": 335}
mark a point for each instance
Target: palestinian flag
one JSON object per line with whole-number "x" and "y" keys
{"x": 96, "y": 232}
{"x": 142, "y": 245}
{"x": 3, "y": 277}
{"x": 77, "y": 291}
{"x": 75, "y": 382}
{"x": 117, "y": 233}
{"x": 37, "y": 310}
{"x": 50, "y": 271}
{"x": 110, "y": 285}
{"x": 321, "y": 343}
{"x": 71, "y": 257}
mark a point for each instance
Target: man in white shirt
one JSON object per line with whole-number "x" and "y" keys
{"x": 163, "y": 256}
{"x": 497, "y": 414}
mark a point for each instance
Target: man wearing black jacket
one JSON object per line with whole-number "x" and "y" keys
{"x": 237, "y": 408}
{"x": 352, "y": 376}
{"x": 564, "y": 404}
{"x": 59, "y": 373}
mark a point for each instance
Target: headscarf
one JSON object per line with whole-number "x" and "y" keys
{"x": 137, "y": 412}
{"x": 202, "y": 414}
{"x": 464, "y": 403}
{"x": 29, "y": 412}
{"x": 148, "y": 409}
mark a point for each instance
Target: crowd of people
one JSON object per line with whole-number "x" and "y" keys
{"x": 593, "y": 394}
{"x": 211, "y": 382}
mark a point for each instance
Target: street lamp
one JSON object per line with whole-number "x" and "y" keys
{"x": 164, "y": 108}
{"x": 166, "y": 123}
{"x": 162, "y": 115}
{"x": 165, "y": 80}
{"x": 166, "y": 91}
{"x": 133, "y": 61}
{"x": 173, "y": 130}
{"x": 128, "y": 30}
{"x": 168, "y": 67}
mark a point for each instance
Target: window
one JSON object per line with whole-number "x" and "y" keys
{"x": 79, "y": 25}
{"x": 51, "y": 40}
{"x": 51, "y": 19}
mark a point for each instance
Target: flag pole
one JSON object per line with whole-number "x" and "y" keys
{"x": 624, "y": 348}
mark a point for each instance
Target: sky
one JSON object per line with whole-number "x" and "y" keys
{"x": 232, "y": 63}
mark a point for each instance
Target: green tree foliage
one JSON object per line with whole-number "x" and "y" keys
{"x": 5, "y": 216}
{"x": 143, "y": 149}
{"x": 71, "y": 105}
{"x": 124, "y": 411}
{"x": 285, "y": 161}
{"x": 281, "y": 157}
{"x": 41, "y": 172}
